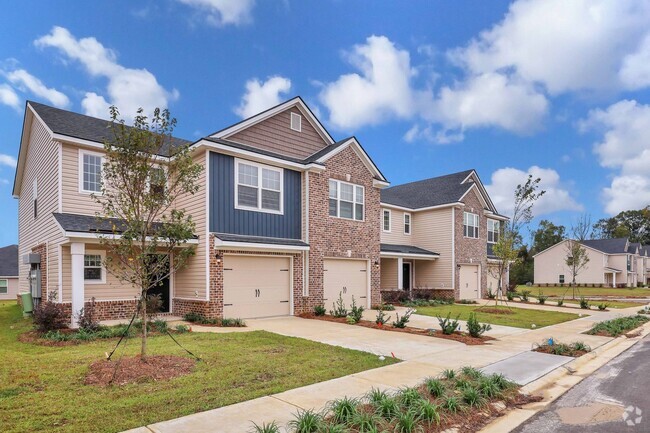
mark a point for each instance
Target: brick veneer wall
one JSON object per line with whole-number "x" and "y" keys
{"x": 334, "y": 237}
{"x": 108, "y": 310}
{"x": 470, "y": 250}
{"x": 42, "y": 250}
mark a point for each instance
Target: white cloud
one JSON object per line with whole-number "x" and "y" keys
{"x": 8, "y": 160}
{"x": 260, "y": 96}
{"x": 566, "y": 46}
{"x": 635, "y": 72}
{"x": 128, "y": 89}
{"x": 624, "y": 148}
{"x": 26, "y": 81}
{"x": 381, "y": 91}
{"x": 8, "y": 96}
{"x": 223, "y": 12}
{"x": 557, "y": 197}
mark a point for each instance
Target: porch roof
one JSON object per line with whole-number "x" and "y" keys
{"x": 616, "y": 271}
{"x": 407, "y": 251}
{"x": 228, "y": 240}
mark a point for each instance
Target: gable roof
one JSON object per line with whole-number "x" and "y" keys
{"x": 9, "y": 261}
{"x": 608, "y": 246}
{"x": 436, "y": 191}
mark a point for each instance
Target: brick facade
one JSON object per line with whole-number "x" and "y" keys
{"x": 337, "y": 237}
{"x": 470, "y": 250}
{"x": 108, "y": 310}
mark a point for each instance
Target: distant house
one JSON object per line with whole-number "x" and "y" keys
{"x": 9, "y": 272}
{"x": 612, "y": 262}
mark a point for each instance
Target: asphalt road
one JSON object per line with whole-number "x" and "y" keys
{"x": 616, "y": 398}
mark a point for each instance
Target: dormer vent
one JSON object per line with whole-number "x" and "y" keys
{"x": 296, "y": 122}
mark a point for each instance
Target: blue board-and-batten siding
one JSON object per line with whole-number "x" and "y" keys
{"x": 224, "y": 218}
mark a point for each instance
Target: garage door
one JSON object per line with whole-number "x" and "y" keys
{"x": 256, "y": 286}
{"x": 468, "y": 282}
{"x": 347, "y": 278}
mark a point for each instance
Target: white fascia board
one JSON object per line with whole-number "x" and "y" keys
{"x": 391, "y": 255}
{"x": 484, "y": 192}
{"x": 251, "y": 246}
{"x": 408, "y": 209}
{"x": 97, "y": 236}
{"x": 352, "y": 141}
{"x": 380, "y": 183}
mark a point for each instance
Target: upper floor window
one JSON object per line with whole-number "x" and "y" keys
{"x": 386, "y": 220}
{"x": 470, "y": 225}
{"x": 407, "y": 223}
{"x": 258, "y": 187}
{"x": 493, "y": 230}
{"x": 157, "y": 182}
{"x": 629, "y": 263}
{"x": 91, "y": 172}
{"x": 346, "y": 200}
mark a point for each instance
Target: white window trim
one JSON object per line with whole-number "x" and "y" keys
{"x": 156, "y": 167}
{"x": 354, "y": 200}
{"x": 83, "y": 152}
{"x": 410, "y": 224}
{"x": 299, "y": 119}
{"x": 102, "y": 254}
{"x": 260, "y": 167}
{"x": 488, "y": 231}
{"x": 475, "y": 226}
{"x": 6, "y": 286}
{"x": 390, "y": 220}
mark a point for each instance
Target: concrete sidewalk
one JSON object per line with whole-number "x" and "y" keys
{"x": 422, "y": 356}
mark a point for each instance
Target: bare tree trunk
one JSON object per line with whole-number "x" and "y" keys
{"x": 143, "y": 349}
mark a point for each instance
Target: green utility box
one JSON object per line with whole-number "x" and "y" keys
{"x": 28, "y": 303}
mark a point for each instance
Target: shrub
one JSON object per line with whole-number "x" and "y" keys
{"x": 387, "y": 307}
{"x": 584, "y": 304}
{"x": 154, "y": 304}
{"x": 350, "y": 320}
{"x": 182, "y": 329}
{"x": 338, "y": 307}
{"x": 510, "y": 295}
{"x": 87, "y": 319}
{"x": 50, "y": 316}
{"x": 266, "y": 428}
{"x": 602, "y": 306}
{"x": 435, "y": 387}
{"x": 488, "y": 388}
{"x": 406, "y": 422}
{"x": 541, "y": 298}
{"x": 523, "y": 295}
{"x": 400, "y": 322}
{"x": 616, "y": 327}
{"x": 387, "y": 408}
{"x": 466, "y": 301}
{"x": 233, "y": 323}
{"x": 490, "y": 294}
{"x": 343, "y": 409}
{"x": 427, "y": 412}
{"x": 451, "y": 404}
{"x": 474, "y": 328}
{"x": 320, "y": 310}
{"x": 382, "y": 318}
{"x": 560, "y": 302}
{"x": 306, "y": 421}
{"x": 580, "y": 345}
{"x": 409, "y": 397}
{"x": 471, "y": 372}
{"x": 364, "y": 422}
{"x": 160, "y": 326}
{"x": 193, "y": 317}
{"x": 375, "y": 395}
{"x": 448, "y": 373}
{"x": 356, "y": 312}
{"x": 447, "y": 325}
{"x": 472, "y": 397}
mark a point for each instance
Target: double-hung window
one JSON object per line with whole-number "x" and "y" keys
{"x": 407, "y": 223}
{"x": 4, "y": 287}
{"x": 386, "y": 220}
{"x": 93, "y": 272}
{"x": 158, "y": 182}
{"x": 470, "y": 225}
{"x": 259, "y": 187}
{"x": 493, "y": 230}
{"x": 91, "y": 172}
{"x": 346, "y": 200}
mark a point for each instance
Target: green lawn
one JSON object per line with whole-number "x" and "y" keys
{"x": 588, "y": 291}
{"x": 521, "y": 318}
{"x": 41, "y": 388}
{"x": 595, "y": 302}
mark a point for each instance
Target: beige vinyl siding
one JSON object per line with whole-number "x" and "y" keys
{"x": 75, "y": 201}
{"x": 12, "y": 288}
{"x": 190, "y": 282}
{"x": 42, "y": 164}
{"x": 111, "y": 290}
{"x": 550, "y": 264}
{"x": 619, "y": 261}
{"x": 432, "y": 230}
{"x": 396, "y": 235}
{"x": 275, "y": 134}
{"x": 388, "y": 274}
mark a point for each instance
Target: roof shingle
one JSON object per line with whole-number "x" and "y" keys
{"x": 9, "y": 261}
{"x": 428, "y": 192}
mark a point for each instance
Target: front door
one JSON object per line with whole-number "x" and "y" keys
{"x": 406, "y": 276}
{"x": 162, "y": 287}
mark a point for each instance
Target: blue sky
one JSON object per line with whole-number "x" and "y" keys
{"x": 427, "y": 87}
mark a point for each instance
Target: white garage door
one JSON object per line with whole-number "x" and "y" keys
{"x": 255, "y": 286}
{"x": 347, "y": 278}
{"x": 469, "y": 282}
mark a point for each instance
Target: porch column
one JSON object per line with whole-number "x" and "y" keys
{"x": 400, "y": 273}
{"x": 614, "y": 279}
{"x": 77, "y": 250}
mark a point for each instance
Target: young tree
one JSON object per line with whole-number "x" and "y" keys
{"x": 144, "y": 174}
{"x": 577, "y": 257}
{"x": 507, "y": 247}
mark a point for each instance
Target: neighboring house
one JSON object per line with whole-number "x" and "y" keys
{"x": 643, "y": 264}
{"x": 286, "y": 217}
{"x": 437, "y": 234}
{"x": 612, "y": 262}
{"x": 9, "y": 272}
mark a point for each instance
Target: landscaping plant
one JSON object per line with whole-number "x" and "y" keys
{"x": 602, "y": 306}
{"x": 338, "y": 307}
{"x": 305, "y": 421}
{"x": 510, "y": 295}
{"x": 320, "y": 310}
{"x": 400, "y": 322}
{"x": 435, "y": 387}
{"x": 541, "y": 298}
{"x": 560, "y": 302}
{"x": 50, "y": 316}
{"x": 265, "y": 428}
{"x": 87, "y": 320}
{"x": 343, "y": 409}
{"x": 475, "y": 328}
{"x": 447, "y": 325}
{"x": 523, "y": 295}
{"x": 382, "y": 318}
{"x": 584, "y": 303}
{"x": 616, "y": 327}
{"x": 356, "y": 312}
{"x": 490, "y": 294}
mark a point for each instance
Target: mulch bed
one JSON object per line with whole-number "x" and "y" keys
{"x": 547, "y": 349}
{"x": 494, "y": 310}
{"x": 34, "y": 337}
{"x": 456, "y": 336}
{"x": 137, "y": 370}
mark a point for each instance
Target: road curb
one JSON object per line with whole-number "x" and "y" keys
{"x": 554, "y": 384}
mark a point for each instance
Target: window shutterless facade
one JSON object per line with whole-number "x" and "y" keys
{"x": 93, "y": 270}
{"x": 386, "y": 220}
{"x": 346, "y": 200}
{"x": 90, "y": 172}
{"x": 493, "y": 231}
{"x": 407, "y": 223}
{"x": 561, "y": 279}
{"x": 258, "y": 187}
{"x": 4, "y": 287}
{"x": 470, "y": 225}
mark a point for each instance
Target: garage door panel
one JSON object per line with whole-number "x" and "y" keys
{"x": 468, "y": 281}
{"x": 345, "y": 277}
